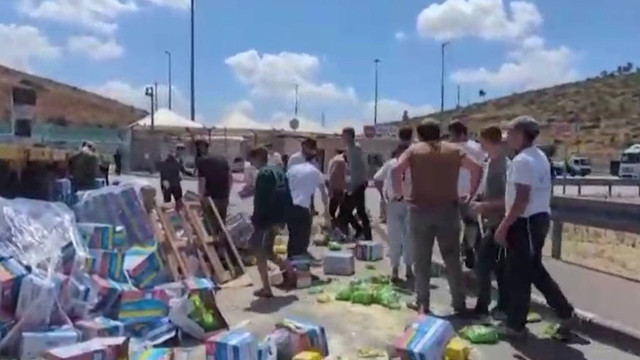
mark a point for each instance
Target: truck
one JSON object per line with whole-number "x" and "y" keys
{"x": 578, "y": 166}
{"x": 630, "y": 163}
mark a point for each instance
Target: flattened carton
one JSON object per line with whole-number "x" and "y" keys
{"x": 232, "y": 345}
{"x": 426, "y": 339}
{"x": 369, "y": 251}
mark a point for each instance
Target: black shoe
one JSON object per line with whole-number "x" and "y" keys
{"x": 469, "y": 258}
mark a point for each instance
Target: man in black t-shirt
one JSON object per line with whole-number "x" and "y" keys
{"x": 214, "y": 181}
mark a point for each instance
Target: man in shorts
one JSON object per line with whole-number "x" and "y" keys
{"x": 271, "y": 202}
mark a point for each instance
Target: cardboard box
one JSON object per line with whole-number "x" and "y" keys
{"x": 301, "y": 276}
{"x": 305, "y": 336}
{"x": 143, "y": 265}
{"x": 143, "y": 305}
{"x": 179, "y": 315}
{"x": 37, "y": 294}
{"x": 102, "y": 236}
{"x": 232, "y": 345}
{"x": 369, "y": 251}
{"x": 99, "y": 327}
{"x": 113, "y": 348}
{"x": 457, "y": 349}
{"x": 154, "y": 354}
{"x": 339, "y": 263}
{"x": 425, "y": 339}
{"x": 152, "y": 332}
{"x": 11, "y": 275}
{"x": 107, "y": 264}
{"x": 34, "y": 344}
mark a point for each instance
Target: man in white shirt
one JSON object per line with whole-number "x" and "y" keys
{"x": 397, "y": 216}
{"x": 274, "y": 158}
{"x": 304, "y": 179}
{"x": 524, "y": 228}
{"x": 459, "y": 134}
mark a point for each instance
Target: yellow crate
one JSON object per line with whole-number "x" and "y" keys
{"x": 39, "y": 154}
{"x": 12, "y": 152}
{"x": 457, "y": 349}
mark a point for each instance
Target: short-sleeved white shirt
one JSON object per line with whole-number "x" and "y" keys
{"x": 530, "y": 167}
{"x": 304, "y": 179}
{"x": 384, "y": 175}
{"x": 474, "y": 151}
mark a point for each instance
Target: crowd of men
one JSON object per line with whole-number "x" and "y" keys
{"x": 435, "y": 189}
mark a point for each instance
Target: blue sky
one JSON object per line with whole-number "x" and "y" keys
{"x": 250, "y": 53}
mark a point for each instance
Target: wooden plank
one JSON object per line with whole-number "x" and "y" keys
{"x": 162, "y": 246}
{"x": 171, "y": 240}
{"x": 201, "y": 236}
{"x": 230, "y": 243}
{"x": 189, "y": 243}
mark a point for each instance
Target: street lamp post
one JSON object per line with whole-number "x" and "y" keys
{"x": 149, "y": 91}
{"x": 375, "y": 101}
{"x": 193, "y": 62}
{"x": 442, "y": 47}
{"x": 169, "y": 69}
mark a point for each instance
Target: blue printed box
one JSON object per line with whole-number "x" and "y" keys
{"x": 102, "y": 236}
{"x": 232, "y": 345}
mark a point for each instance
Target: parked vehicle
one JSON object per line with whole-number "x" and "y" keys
{"x": 630, "y": 163}
{"x": 558, "y": 168}
{"x": 578, "y": 166}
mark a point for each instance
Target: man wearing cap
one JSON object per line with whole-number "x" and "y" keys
{"x": 434, "y": 208}
{"x": 524, "y": 228}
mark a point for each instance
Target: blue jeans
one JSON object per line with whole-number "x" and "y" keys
{"x": 398, "y": 233}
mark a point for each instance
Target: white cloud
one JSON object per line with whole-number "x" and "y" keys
{"x": 177, "y": 4}
{"x": 96, "y": 15}
{"x": 400, "y": 36}
{"x": 134, "y": 95}
{"x": 21, "y": 44}
{"x": 532, "y": 65}
{"x": 392, "y": 110}
{"x": 95, "y": 48}
{"x": 275, "y": 75}
{"x": 487, "y": 19}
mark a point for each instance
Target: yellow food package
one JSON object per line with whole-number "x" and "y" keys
{"x": 457, "y": 349}
{"x": 280, "y": 249}
{"x": 308, "y": 355}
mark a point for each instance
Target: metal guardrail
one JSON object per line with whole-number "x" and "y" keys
{"x": 601, "y": 214}
{"x": 609, "y": 183}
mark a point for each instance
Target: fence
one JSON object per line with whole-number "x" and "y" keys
{"x": 608, "y": 183}
{"x": 605, "y": 215}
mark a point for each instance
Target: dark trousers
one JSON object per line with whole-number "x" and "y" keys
{"x": 334, "y": 203}
{"x": 299, "y": 225}
{"x": 210, "y": 220}
{"x": 524, "y": 267}
{"x": 105, "y": 172}
{"x": 355, "y": 200}
{"x": 490, "y": 260}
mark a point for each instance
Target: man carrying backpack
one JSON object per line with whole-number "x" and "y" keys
{"x": 271, "y": 202}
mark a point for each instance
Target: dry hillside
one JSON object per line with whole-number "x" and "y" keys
{"x": 64, "y": 104}
{"x": 606, "y": 109}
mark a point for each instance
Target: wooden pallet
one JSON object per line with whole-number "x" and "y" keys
{"x": 225, "y": 247}
{"x": 165, "y": 236}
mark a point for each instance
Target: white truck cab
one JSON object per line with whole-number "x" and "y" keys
{"x": 630, "y": 163}
{"x": 578, "y": 166}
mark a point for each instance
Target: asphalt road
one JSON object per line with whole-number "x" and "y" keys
{"x": 352, "y": 326}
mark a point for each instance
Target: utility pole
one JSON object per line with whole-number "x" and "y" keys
{"x": 458, "y": 98}
{"x": 170, "y": 86}
{"x": 442, "y": 47}
{"x": 295, "y": 109}
{"x": 155, "y": 93}
{"x": 148, "y": 91}
{"x": 322, "y": 120}
{"x": 375, "y": 101}
{"x": 193, "y": 63}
